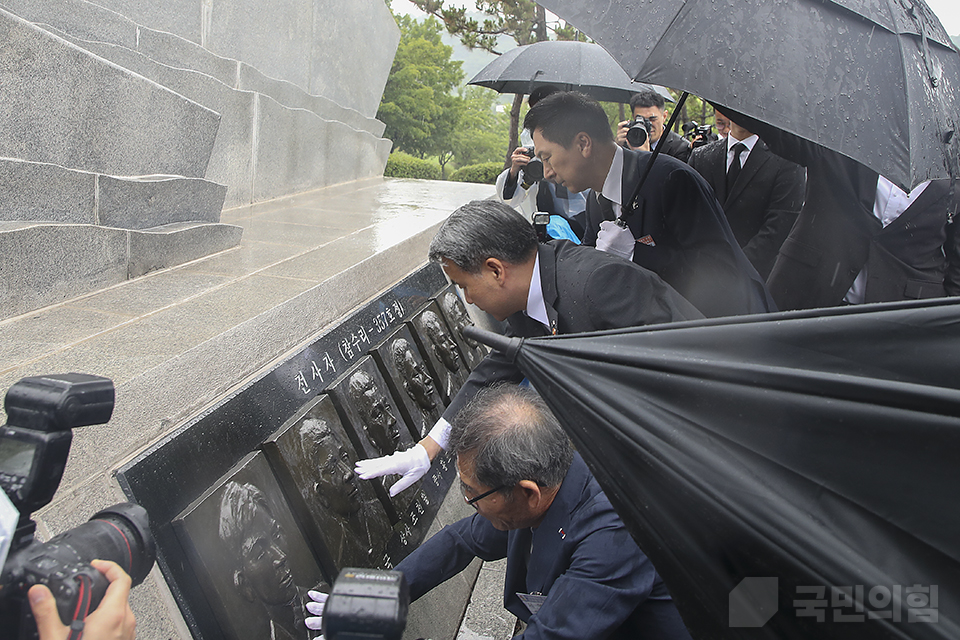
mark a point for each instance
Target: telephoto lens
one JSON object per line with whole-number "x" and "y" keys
{"x": 638, "y": 132}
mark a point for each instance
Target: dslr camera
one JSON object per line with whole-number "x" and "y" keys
{"x": 639, "y": 131}
{"x": 533, "y": 171}
{"x": 42, "y": 411}
{"x": 698, "y": 134}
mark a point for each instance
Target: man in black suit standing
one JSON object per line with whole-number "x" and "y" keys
{"x": 860, "y": 238}
{"x": 491, "y": 252}
{"x": 674, "y": 226}
{"x": 761, "y": 193}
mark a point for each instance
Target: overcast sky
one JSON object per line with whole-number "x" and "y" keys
{"x": 949, "y": 13}
{"x": 947, "y": 10}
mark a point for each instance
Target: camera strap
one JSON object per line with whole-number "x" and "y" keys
{"x": 84, "y": 597}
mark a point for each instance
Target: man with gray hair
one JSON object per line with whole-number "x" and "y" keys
{"x": 491, "y": 252}
{"x": 573, "y": 570}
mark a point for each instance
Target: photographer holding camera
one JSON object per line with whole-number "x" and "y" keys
{"x": 522, "y": 185}
{"x": 652, "y": 107}
{"x": 77, "y": 583}
{"x": 112, "y": 620}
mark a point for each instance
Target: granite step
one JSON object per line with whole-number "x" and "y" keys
{"x": 78, "y": 111}
{"x": 45, "y": 263}
{"x": 44, "y": 192}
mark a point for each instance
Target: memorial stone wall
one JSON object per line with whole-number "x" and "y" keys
{"x": 255, "y": 501}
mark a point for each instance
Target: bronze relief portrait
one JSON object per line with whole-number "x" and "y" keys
{"x": 369, "y": 414}
{"x": 313, "y": 458}
{"x": 455, "y": 313}
{"x": 249, "y": 554}
{"x": 442, "y": 353}
{"x": 410, "y": 381}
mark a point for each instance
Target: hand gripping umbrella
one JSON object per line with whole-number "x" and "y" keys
{"x": 569, "y": 66}
{"x": 790, "y": 475}
{"x": 876, "y": 80}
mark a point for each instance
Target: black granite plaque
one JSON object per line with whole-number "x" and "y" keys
{"x": 368, "y": 412}
{"x": 455, "y": 313}
{"x": 409, "y": 379}
{"x": 249, "y": 554}
{"x": 177, "y": 470}
{"x": 343, "y": 519}
{"x": 443, "y": 355}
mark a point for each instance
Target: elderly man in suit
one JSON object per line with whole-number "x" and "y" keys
{"x": 674, "y": 226}
{"x": 491, "y": 252}
{"x": 860, "y": 238}
{"x": 761, "y": 193}
{"x": 573, "y": 571}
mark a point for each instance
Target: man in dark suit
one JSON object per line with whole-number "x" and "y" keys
{"x": 489, "y": 250}
{"x": 570, "y": 560}
{"x": 761, "y": 193}
{"x": 674, "y": 226}
{"x": 859, "y": 238}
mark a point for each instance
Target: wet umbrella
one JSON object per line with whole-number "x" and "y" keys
{"x": 876, "y": 80}
{"x": 567, "y": 65}
{"x": 815, "y": 456}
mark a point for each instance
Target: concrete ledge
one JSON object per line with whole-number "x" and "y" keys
{"x": 43, "y": 191}
{"x": 151, "y": 201}
{"x": 45, "y": 264}
{"x": 78, "y": 17}
{"x": 177, "y": 243}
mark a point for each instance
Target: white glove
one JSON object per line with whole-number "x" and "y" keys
{"x": 412, "y": 464}
{"x": 615, "y": 239}
{"x": 315, "y": 606}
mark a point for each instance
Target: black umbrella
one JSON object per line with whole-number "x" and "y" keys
{"x": 814, "y": 455}
{"x": 567, "y": 65}
{"x": 876, "y": 80}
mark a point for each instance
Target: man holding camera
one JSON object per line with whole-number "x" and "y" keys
{"x": 674, "y": 226}
{"x": 652, "y": 107}
{"x": 573, "y": 570}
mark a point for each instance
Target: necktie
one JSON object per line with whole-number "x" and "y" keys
{"x": 735, "y": 167}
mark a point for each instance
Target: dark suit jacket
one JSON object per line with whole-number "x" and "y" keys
{"x": 763, "y": 204}
{"x": 836, "y": 234}
{"x": 584, "y": 290}
{"x": 695, "y": 251}
{"x": 675, "y": 146}
{"x": 597, "y": 582}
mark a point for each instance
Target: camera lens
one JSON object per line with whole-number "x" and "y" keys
{"x": 637, "y": 134}
{"x": 532, "y": 173}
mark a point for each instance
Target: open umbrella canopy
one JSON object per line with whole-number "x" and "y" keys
{"x": 876, "y": 80}
{"x": 570, "y": 66}
{"x": 814, "y": 456}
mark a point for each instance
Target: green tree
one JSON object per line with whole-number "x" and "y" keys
{"x": 482, "y": 130}
{"x": 418, "y": 107}
{"x": 522, "y": 20}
